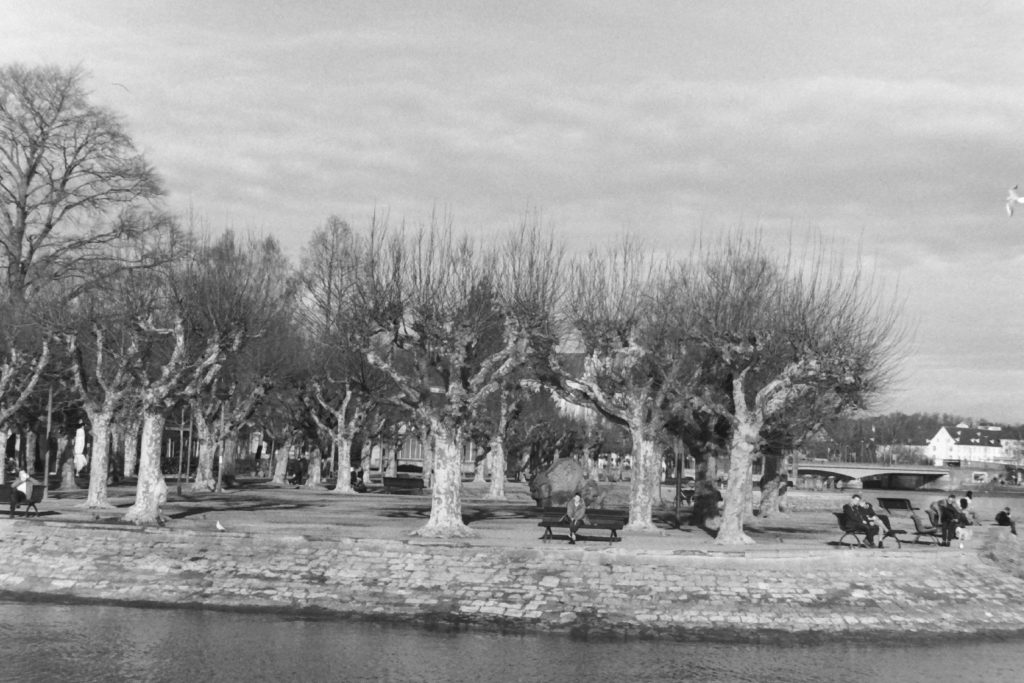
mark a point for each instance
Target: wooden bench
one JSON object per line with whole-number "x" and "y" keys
{"x": 403, "y": 485}
{"x": 612, "y": 520}
{"x": 35, "y": 495}
{"x": 848, "y": 529}
{"x": 924, "y": 529}
{"x": 891, "y": 505}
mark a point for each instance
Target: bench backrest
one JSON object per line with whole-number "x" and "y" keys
{"x": 843, "y": 522}
{"x": 596, "y": 515}
{"x": 921, "y": 528}
{"x": 891, "y": 504}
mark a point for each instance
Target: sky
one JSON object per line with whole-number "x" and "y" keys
{"x": 890, "y": 131}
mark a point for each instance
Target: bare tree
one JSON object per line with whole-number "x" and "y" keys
{"x": 21, "y": 367}
{"x": 71, "y": 182}
{"x": 232, "y": 293}
{"x": 776, "y": 333}
{"x": 447, "y": 335}
{"x": 345, "y": 388}
{"x": 629, "y": 359}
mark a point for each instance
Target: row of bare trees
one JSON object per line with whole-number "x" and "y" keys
{"x": 391, "y": 333}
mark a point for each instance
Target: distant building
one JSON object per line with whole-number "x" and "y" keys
{"x": 964, "y": 445}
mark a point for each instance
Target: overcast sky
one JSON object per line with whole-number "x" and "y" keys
{"x": 892, "y": 129}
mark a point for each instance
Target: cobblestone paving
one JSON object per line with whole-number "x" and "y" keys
{"x": 593, "y": 589}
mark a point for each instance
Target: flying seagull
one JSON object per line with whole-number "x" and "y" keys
{"x": 220, "y": 527}
{"x": 1011, "y": 199}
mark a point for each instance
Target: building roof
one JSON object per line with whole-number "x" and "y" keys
{"x": 987, "y": 435}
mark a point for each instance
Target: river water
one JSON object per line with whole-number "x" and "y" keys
{"x": 54, "y": 642}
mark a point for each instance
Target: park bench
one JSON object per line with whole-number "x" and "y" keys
{"x": 848, "y": 529}
{"x": 612, "y": 520}
{"x": 403, "y": 485}
{"x": 891, "y": 505}
{"x": 35, "y": 495}
{"x": 925, "y": 530}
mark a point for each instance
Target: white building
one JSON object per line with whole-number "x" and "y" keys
{"x": 965, "y": 445}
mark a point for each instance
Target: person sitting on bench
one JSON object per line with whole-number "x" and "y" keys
{"x": 862, "y": 519}
{"x": 576, "y": 511}
{"x": 21, "y": 489}
{"x": 945, "y": 512}
{"x": 1003, "y": 519}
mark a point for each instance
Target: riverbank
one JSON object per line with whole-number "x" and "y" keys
{"x": 317, "y": 553}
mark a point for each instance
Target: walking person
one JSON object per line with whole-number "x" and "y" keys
{"x": 21, "y": 490}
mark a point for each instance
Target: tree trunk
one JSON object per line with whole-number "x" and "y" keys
{"x": 644, "y": 480}
{"x": 5, "y": 435}
{"x": 131, "y": 444}
{"x": 344, "y": 446}
{"x": 281, "y": 463}
{"x": 151, "y": 491}
{"x": 229, "y": 460}
{"x": 206, "y": 446}
{"x": 31, "y": 445}
{"x": 314, "y": 474}
{"x": 773, "y": 488}
{"x": 497, "y": 466}
{"x": 742, "y": 448}
{"x": 429, "y": 455}
{"x": 479, "y": 465}
{"x": 365, "y": 458}
{"x": 67, "y": 465}
{"x": 446, "y": 495}
{"x": 391, "y": 454}
{"x": 98, "y": 466}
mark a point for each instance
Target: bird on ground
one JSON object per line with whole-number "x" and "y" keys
{"x": 1011, "y": 199}
{"x": 220, "y": 527}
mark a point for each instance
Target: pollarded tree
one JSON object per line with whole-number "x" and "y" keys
{"x": 779, "y": 335}
{"x": 206, "y": 307}
{"x": 344, "y": 388}
{"x": 231, "y": 294}
{"x": 633, "y": 360}
{"x": 449, "y": 331}
{"x": 71, "y": 181}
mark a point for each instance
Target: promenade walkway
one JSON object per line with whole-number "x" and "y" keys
{"x": 316, "y": 552}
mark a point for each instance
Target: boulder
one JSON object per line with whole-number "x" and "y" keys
{"x": 563, "y": 479}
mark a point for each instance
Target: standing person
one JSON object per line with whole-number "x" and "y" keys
{"x": 947, "y": 514}
{"x": 860, "y": 519}
{"x": 576, "y": 511}
{"x": 1003, "y": 519}
{"x": 21, "y": 489}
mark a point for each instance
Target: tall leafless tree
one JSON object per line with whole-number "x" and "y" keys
{"x": 71, "y": 182}
{"x": 777, "y": 332}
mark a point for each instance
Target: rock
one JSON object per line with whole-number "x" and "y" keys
{"x": 557, "y": 484}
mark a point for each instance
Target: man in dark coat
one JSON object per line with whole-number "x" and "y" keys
{"x": 858, "y": 518}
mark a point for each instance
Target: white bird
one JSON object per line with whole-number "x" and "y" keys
{"x": 220, "y": 527}
{"x": 1013, "y": 198}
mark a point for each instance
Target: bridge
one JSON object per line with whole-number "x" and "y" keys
{"x": 848, "y": 471}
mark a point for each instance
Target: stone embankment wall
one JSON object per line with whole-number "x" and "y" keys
{"x": 593, "y": 590}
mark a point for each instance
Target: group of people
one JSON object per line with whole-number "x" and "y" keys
{"x": 951, "y": 515}
{"x": 861, "y": 517}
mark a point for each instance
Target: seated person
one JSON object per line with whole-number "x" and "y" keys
{"x": 946, "y": 513}
{"x": 967, "y": 508}
{"x": 1003, "y": 519}
{"x": 576, "y": 512}
{"x": 861, "y": 519}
